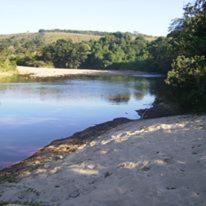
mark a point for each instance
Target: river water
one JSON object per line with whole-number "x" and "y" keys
{"x": 32, "y": 114}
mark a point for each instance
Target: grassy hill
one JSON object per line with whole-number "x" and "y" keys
{"x": 150, "y": 38}
{"x": 50, "y": 36}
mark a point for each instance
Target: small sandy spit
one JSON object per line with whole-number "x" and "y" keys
{"x": 42, "y": 73}
{"x": 153, "y": 162}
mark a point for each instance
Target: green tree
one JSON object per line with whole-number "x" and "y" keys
{"x": 188, "y": 75}
{"x": 116, "y": 49}
{"x": 66, "y": 54}
{"x": 188, "y": 80}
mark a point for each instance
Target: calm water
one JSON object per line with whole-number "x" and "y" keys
{"x": 32, "y": 114}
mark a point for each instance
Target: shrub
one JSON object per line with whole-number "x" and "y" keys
{"x": 32, "y": 62}
{"x": 188, "y": 79}
{"x": 6, "y": 65}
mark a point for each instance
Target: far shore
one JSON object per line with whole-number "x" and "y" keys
{"x": 7, "y": 74}
{"x": 42, "y": 73}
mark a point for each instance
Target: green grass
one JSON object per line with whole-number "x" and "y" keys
{"x": 7, "y": 66}
{"x": 50, "y": 37}
{"x": 20, "y": 36}
{"x": 150, "y": 38}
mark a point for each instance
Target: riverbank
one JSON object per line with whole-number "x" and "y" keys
{"x": 147, "y": 162}
{"x": 43, "y": 73}
{"x": 6, "y": 75}
{"x": 160, "y": 108}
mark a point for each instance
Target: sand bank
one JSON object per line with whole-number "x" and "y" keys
{"x": 147, "y": 162}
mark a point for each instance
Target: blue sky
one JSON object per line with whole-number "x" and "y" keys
{"x": 145, "y": 16}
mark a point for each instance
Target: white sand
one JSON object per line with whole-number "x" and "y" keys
{"x": 156, "y": 162}
{"x": 52, "y": 72}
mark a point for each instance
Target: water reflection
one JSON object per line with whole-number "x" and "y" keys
{"x": 119, "y": 98}
{"x": 34, "y": 113}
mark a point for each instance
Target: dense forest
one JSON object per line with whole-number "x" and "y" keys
{"x": 180, "y": 56}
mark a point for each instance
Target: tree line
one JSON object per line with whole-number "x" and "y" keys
{"x": 98, "y": 33}
{"x": 113, "y": 51}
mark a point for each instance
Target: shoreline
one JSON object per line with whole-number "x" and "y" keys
{"x": 7, "y": 75}
{"x": 159, "y": 109}
{"x": 58, "y": 148}
{"x": 162, "y": 154}
{"x": 53, "y": 150}
{"x": 44, "y": 73}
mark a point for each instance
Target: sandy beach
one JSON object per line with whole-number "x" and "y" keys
{"x": 147, "y": 162}
{"x": 42, "y": 73}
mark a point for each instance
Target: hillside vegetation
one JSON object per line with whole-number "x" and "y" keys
{"x": 75, "y": 49}
{"x": 50, "y": 37}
